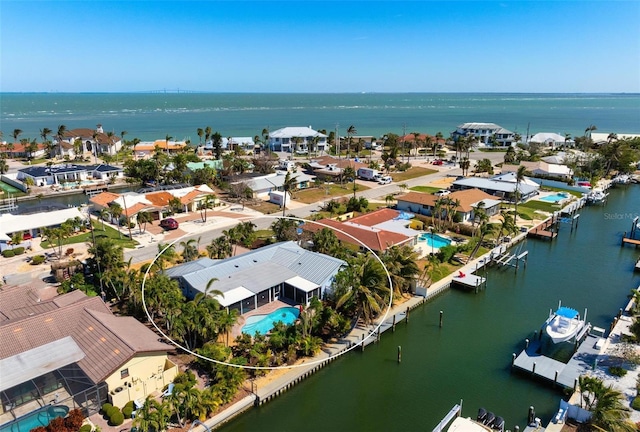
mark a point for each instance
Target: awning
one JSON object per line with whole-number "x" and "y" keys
{"x": 39, "y": 361}
{"x": 302, "y": 284}
{"x": 233, "y": 296}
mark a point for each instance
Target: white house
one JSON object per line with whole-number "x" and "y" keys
{"x": 261, "y": 186}
{"x": 552, "y": 140}
{"x": 93, "y": 142}
{"x": 486, "y": 134}
{"x": 308, "y": 140}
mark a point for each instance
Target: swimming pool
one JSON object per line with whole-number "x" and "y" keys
{"x": 264, "y": 323}
{"x": 434, "y": 240}
{"x": 42, "y": 417}
{"x": 555, "y": 198}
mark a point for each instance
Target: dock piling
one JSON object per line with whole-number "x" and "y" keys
{"x": 441, "y": 319}
{"x": 407, "y": 315}
{"x": 399, "y": 353}
{"x": 526, "y": 344}
{"x": 533, "y": 370}
{"x": 513, "y": 359}
{"x": 393, "y": 326}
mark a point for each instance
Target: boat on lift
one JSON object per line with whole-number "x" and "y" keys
{"x": 564, "y": 324}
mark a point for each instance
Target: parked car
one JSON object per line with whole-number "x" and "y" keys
{"x": 169, "y": 223}
{"x": 442, "y": 192}
{"x": 437, "y": 162}
{"x": 384, "y": 180}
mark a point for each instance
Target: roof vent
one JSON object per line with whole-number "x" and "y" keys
{"x": 236, "y": 266}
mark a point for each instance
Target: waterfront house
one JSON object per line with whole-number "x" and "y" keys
{"x": 376, "y": 239}
{"x": 425, "y": 204}
{"x": 146, "y": 149}
{"x": 281, "y": 271}
{"x": 553, "y": 140}
{"x": 231, "y": 143}
{"x": 502, "y": 186}
{"x": 300, "y": 139}
{"x": 90, "y": 142}
{"x": 541, "y": 169}
{"x": 68, "y": 173}
{"x": 71, "y": 350}
{"x": 31, "y": 224}
{"x": 486, "y": 134}
{"x": 21, "y": 150}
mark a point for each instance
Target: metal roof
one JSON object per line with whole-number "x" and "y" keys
{"x": 38, "y": 361}
{"x": 10, "y": 223}
{"x": 302, "y": 284}
{"x": 189, "y": 267}
{"x": 495, "y": 185}
{"x": 233, "y": 296}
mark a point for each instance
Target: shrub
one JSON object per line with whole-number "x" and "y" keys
{"x": 57, "y": 425}
{"x": 635, "y": 404}
{"x": 111, "y": 411}
{"x": 126, "y": 411}
{"x": 129, "y": 404}
{"x": 106, "y": 407}
{"x": 74, "y": 420}
{"x": 38, "y": 259}
{"x": 116, "y": 419}
{"x": 85, "y": 428}
{"x": 8, "y": 253}
{"x": 18, "y": 250}
{"x": 617, "y": 371}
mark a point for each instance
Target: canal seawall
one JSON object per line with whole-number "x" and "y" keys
{"x": 359, "y": 338}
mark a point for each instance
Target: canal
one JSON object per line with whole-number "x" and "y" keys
{"x": 469, "y": 357}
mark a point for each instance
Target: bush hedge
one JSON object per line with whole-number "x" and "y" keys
{"x": 106, "y": 407}
{"x": 127, "y": 411}
{"x": 38, "y": 259}
{"x": 117, "y": 418}
{"x": 8, "y": 253}
{"x": 617, "y": 371}
{"x": 18, "y": 251}
{"x": 635, "y": 404}
{"x": 85, "y": 428}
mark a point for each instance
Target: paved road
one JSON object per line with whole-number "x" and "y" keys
{"x": 148, "y": 252}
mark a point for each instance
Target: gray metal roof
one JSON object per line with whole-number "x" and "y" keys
{"x": 495, "y": 185}
{"x": 38, "y": 361}
{"x": 265, "y": 267}
{"x": 189, "y": 267}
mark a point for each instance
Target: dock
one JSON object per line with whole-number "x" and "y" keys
{"x": 565, "y": 374}
{"x": 545, "y": 230}
{"x": 633, "y": 238}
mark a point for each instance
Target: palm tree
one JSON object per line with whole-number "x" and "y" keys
{"x": 401, "y": 264}
{"x": 362, "y": 288}
{"x": 389, "y": 199}
{"x": 325, "y": 242}
{"x": 200, "y": 133}
{"x": 351, "y": 131}
{"x": 116, "y": 211}
{"x": 206, "y": 204}
{"x": 519, "y": 179}
{"x": 143, "y": 218}
{"x": 288, "y": 185}
{"x": 16, "y": 133}
{"x": 189, "y": 250}
{"x": 4, "y": 167}
{"x": 606, "y": 405}
{"x": 62, "y": 129}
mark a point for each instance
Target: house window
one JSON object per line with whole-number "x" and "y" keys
{"x": 124, "y": 373}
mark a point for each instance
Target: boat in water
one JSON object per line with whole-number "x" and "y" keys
{"x": 596, "y": 196}
{"x": 564, "y": 324}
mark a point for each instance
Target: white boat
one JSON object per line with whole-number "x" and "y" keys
{"x": 596, "y": 196}
{"x": 564, "y": 324}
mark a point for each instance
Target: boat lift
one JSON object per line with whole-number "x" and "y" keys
{"x": 512, "y": 259}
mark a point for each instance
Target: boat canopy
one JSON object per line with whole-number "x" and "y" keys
{"x": 567, "y": 312}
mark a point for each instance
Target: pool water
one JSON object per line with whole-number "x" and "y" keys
{"x": 264, "y": 323}
{"x": 8, "y": 188}
{"x": 434, "y": 240}
{"x": 555, "y": 198}
{"x": 42, "y": 417}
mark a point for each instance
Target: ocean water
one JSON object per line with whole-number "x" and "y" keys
{"x": 150, "y": 116}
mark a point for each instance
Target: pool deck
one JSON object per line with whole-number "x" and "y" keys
{"x": 262, "y": 310}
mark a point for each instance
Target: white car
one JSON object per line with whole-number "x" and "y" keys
{"x": 442, "y": 192}
{"x": 384, "y": 180}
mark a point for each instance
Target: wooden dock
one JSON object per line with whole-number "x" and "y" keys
{"x": 627, "y": 240}
{"x": 544, "y": 230}
{"x": 564, "y": 374}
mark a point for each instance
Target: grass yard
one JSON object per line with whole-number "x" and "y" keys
{"x": 326, "y": 192}
{"x": 425, "y": 189}
{"x": 108, "y": 232}
{"x": 265, "y": 207}
{"x": 412, "y": 172}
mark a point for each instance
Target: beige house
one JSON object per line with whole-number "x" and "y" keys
{"x": 71, "y": 351}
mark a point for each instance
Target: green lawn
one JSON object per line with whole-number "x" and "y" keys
{"x": 326, "y": 192}
{"x": 412, "y": 172}
{"x": 425, "y": 189}
{"x": 108, "y": 232}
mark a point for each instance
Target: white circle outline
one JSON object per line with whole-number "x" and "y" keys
{"x": 314, "y": 362}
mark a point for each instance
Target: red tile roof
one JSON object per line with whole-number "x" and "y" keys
{"x": 104, "y": 198}
{"x": 376, "y": 239}
{"x": 159, "y": 199}
{"x": 376, "y": 217}
{"x": 466, "y": 197}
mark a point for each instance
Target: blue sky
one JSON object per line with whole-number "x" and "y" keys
{"x": 324, "y": 46}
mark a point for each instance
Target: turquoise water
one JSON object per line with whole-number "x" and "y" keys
{"x": 264, "y": 323}
{"x": 554, "y": 198}
{"x": 8, "y": 188}
{"x": 42, "y": 417}
{"x": 434, "y": 240}
{"x": 469, "y": 357}
{"x": 153, "y": 116}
